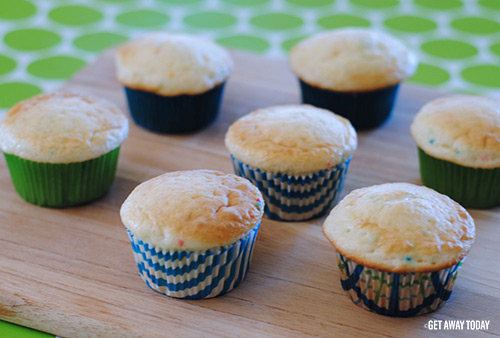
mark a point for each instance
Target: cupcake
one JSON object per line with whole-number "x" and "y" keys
{"x": 192, "y": 232}
{"x": 62, "y": 148}
{"x": 354, "y": 72}
{"x": 297, "y": 155}
{"x": 173, "y": 82}
{"x": 399, "y": 247}
{"x": 458, "y": 139}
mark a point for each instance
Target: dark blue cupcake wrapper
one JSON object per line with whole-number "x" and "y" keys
{"x": 396, "y": 294}
{"x": 194, "y": 274}
{"x": 295, "y": 197}
{"x": 174, "y": 114}
{"x": 365, "y": 109}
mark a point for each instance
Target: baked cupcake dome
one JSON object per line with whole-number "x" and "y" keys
{"x": 352, "y": 60}
{"x": 353, "y": 72}
{"x": 459, "y": 148}
{"x": 198, "y": 227}
{"x": 412, "y": 237}
{"x": 62, "y": 148}
{"x": 297, "y": 155}
{"x": 173, "y": 82}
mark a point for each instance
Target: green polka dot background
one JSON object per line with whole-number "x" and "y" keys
{"x": 13, "y": 92}
{"x": 75, "y": 15}
{"x": 20, "y": 10}
{"x": 31, "y": 39}
{"x": 100, "y": 41}
{"x": 142, "y": 18}
{"x": 55, "y": 67}
{"x": 45, "y": 42}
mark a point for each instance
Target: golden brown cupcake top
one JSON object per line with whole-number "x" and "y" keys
{"x": 172, "y": 64}
{"x": 461, "y": 129}
{"x": 400, "y": 228}
{"x": 192, "y": 210}
{"x": 292, "y": 139}
{"x": 62, "y": 127}
{"x": 352, "y": 59}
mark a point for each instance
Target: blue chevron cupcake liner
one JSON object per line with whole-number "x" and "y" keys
{"x": 296, "y": 197}
{"x": 396, "y": 294}
{"x": 194, "y": 274}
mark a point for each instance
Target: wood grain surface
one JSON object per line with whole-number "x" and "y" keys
{"x": 71, "y": 272}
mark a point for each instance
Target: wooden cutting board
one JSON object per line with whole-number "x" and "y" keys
{"x": 71, "y": 272}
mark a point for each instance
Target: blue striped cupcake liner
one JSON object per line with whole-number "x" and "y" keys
{"x": 194, "y": 274}
{"x": 295, "y": 197}
{"x": 396, "y": 294}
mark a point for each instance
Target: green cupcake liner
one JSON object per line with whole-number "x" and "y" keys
{"x": 471, "y": 187}
{"x": 61, "y": 185}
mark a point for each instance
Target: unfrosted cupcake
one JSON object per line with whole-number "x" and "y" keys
{"x": 458, "y": 139}
{"x": 192, "y": 232}
{"x": 173, "y": 82}
{"x": 399, "y": 247}
{"x": 297, "y": 155}
{"x": 353, "y": 72}
{"x": 62, "y": 148}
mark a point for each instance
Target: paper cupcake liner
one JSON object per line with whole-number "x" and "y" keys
{"x": 396, "y": 294}
{"x": 61, "y": 185}
{"x": 174, "y": 114}
{"x": 295, "y": 197}
{"x": 470, "y": 187}
{"x": 194, "y": 274}
{"x": 365, "y": 110}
